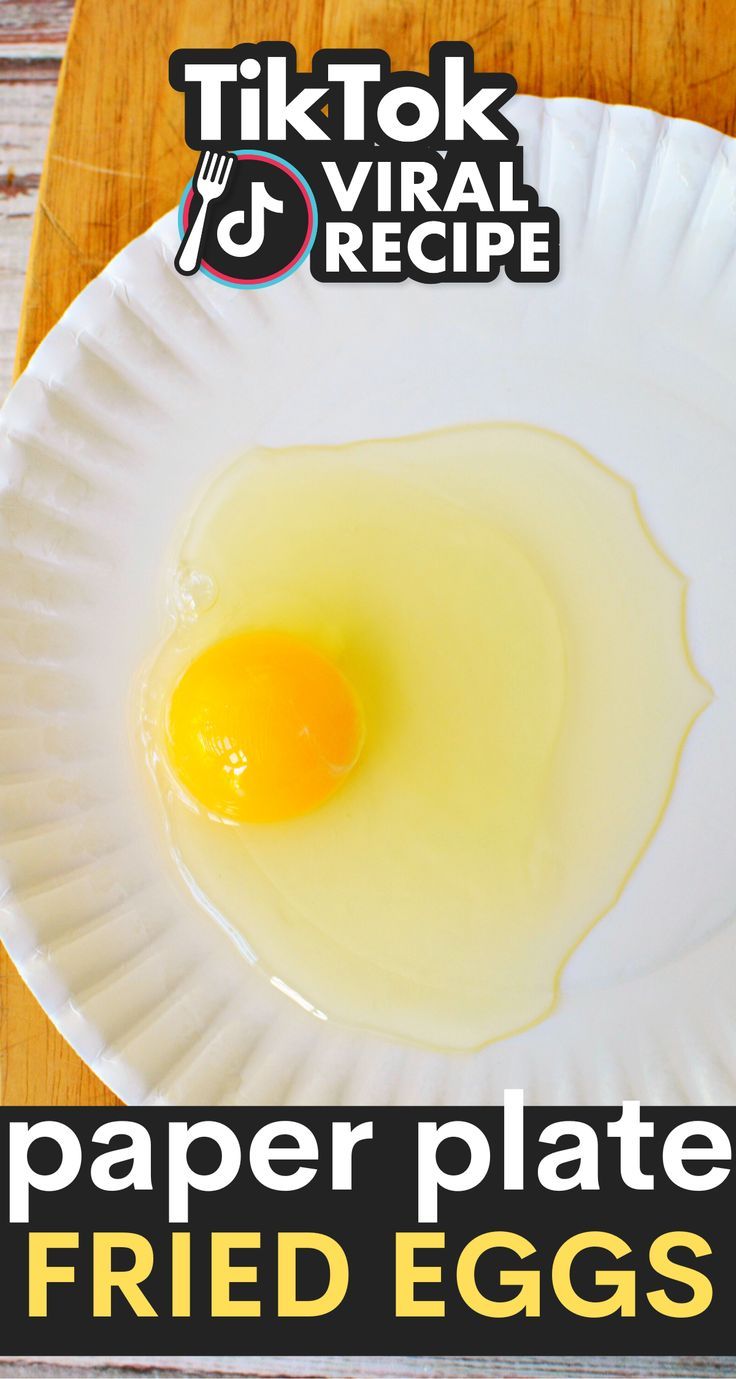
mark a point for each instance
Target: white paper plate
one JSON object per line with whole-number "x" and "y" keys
{"x": 151, "y": 381}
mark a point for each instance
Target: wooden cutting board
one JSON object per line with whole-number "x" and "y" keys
{"x": 117, "y": 160}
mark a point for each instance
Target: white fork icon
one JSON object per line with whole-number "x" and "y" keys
{"x": 210, "y": 181}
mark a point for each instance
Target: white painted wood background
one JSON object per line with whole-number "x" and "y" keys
{"x": 32, "y": 36}
{"x": 362, "y": 1367}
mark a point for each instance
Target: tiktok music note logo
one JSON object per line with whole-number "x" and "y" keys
{"x": 246, "y": 219}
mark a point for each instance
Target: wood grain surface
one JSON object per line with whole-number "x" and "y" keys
{"x": 116, "y": 160}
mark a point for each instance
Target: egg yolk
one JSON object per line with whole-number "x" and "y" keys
{"x": 262, "y": 727}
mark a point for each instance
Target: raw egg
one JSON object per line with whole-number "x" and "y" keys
{"x": 262, "y": 727}
{"x": 417, "y": 717}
